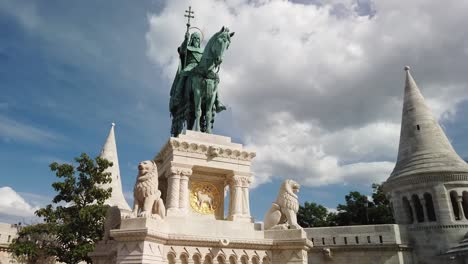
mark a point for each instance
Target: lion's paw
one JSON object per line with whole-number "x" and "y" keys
{"x": 280, "y": 227}
{"x": 295, "y": 226}
{"x": 145, "y": 214}
{"x": 156, "y": 216}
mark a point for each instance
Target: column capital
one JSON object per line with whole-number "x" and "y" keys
{"x": 240, "y": 180}
{"x": 180, "y": 172}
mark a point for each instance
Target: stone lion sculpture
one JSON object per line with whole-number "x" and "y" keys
{"x": 282, "y": 214}
{"x": 147, "y": 197}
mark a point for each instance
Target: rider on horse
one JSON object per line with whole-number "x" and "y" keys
{"x": 190, "y": 55}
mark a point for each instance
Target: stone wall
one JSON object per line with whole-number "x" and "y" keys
{"x": 7, "y": 233}
{"x": 359, "y": 244}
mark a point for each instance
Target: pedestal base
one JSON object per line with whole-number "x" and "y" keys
{"x": 175, "y": 240}
{"x": 241, "y": 218}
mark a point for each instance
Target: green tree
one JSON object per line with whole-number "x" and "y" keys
{"x": 76, "y": 220}
{"x": 314, "y": 215}
{"x": 381, "y": 212}
{"x": 359, "y": 210}
{"x": 355, "y": 211}
{"x": 34, "y": 244}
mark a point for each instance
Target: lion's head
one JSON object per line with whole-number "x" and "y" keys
{"x": 147, "y": 180}
{"x": 291, "y": 187}
{"x": 287, "y": 197}
{"x": 146, "y": 167}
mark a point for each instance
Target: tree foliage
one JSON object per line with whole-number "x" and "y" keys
{"x": 76, "y": 218}
{"x": 314, "y": 215}
{"x": 34, "y": 244}
{"x": 359, "y": 210}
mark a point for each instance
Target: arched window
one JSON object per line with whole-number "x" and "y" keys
{"x": 265, "y": 260}
{"x": 244, "y": 259}
{"x": 465, "y": 202}
{"x": 255, "y": 260}
{"x": 208, "y": 259}
{"x": 221, "y": 259}
{"x": 184, "y": 259}
{"x": 408, "y": 211}
{"x": 453, "y": 199}
{"x": 196, "y": 259}
{"x": 171, "y": 258}
{"x": 431, "y": 216}
{"x": 232, "y": 260}
{"x": 418, "y": 208}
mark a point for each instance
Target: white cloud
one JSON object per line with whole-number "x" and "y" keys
{"x": 317, "y": 89}
{"x": 315, "y": 157}
{"x": 12, "y": 130}
{"x": 13, "y": 204}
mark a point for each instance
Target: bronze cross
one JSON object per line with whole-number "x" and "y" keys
{"x": 189, "y": 15}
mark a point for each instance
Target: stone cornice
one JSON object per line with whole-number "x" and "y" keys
{"x": 432, "y": 227}
{"x": 440, "y": 177}
{"x": 185, "y": 240}
{"x": 210, "y": 151}
{"x": 382, "y": 247}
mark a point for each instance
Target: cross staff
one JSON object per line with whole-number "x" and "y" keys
{"x": 188, "y": 15}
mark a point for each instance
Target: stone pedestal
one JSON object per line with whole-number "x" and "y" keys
{"x": 291, "y": 246}
{"x": 196, "y": 169}
{"x": 175, "y": 240}
{"x": 196, "y": 173}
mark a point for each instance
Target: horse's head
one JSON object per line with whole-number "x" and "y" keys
{"x": 221, "y": 41}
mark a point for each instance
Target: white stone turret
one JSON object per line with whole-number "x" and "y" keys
{"x": 424, "y": 147}
{"x": 109, "y": 152}
{"x": 428, "y": 187}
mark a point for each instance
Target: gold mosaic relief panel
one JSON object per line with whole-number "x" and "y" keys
{"x": 204, "y": 197}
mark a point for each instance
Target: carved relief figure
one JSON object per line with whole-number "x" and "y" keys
{"x": 204, "y": 198}
{"x": 147, "y": 197}
{"x": 283, "y": 212}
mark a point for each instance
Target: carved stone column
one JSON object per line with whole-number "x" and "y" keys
{"x": 235, "y": 187}
{"x": 173, "y": 191}
{"x": 184, "y": 195}
{"x": 413, "y": 209}
{"x": 424, "y": 205}
{"x": 245, "y": 196}
{"x": 239, "y": 199}
{"x": 461, "y": 213}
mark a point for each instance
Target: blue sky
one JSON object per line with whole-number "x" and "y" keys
{"x": 316, "y": 91}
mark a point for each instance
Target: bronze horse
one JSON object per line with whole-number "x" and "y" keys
{"x": 200, "y": 89}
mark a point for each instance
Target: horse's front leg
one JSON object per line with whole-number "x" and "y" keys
{"x": 197, "y": 103}
{"x": 211, "y": 86}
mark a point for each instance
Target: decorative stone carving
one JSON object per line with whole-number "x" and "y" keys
{"x": 147, "y": 197}
{"x": 213, "y": 151}
{"x": 282, "y": 214}
{"x": 204, "y": 197}
{"x": 210, "y": 151}
{"x": 327, "y": 254}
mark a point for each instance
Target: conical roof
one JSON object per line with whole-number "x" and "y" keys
{"x": 109, "y": 152}
{"x": 424, "y": 147}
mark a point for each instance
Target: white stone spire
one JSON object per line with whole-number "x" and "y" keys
{"x": 424, "y": 147}
{"x": 109, "y": 152}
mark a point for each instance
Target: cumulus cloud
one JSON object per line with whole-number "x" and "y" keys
{"x": 317, "y": 88}
{"x": 13, "y": 206}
